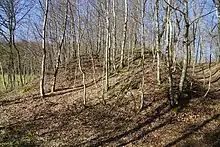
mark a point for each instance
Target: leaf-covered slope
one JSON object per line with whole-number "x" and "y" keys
{"x": 60, "y": 119}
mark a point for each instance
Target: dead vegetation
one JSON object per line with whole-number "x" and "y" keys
{"x": 60, "y": 119}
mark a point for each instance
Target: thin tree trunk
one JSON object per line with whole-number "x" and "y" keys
{"x": 93, "y": 62}
{"x": 210, "y": 71}
{"x": 25, "y": 75}
{"x": 93, "y": 70}
{"x": 196, "y": 50}
{"x": 11, "y": 63}
{"x": 169, "y": 57}
{"x": 98, "y": 40}
{"x": 60, "y": 48}
{"x": 176, "y": 39}
{"x": 79, "y": 59}
{"x": 42, "y": 92}
{"x": 114, "y": 35}
{"x": 75, "y": 76}
{"x": 14, "y": 75}
{"x": 19, "y": 63}
{"x": 157, "y": 40}
{"x": 124, "y": 34}
{"x": 217, "y": 4}
{"x": 129, "y": 46}
{"x": 83, "y": 74}
{"x": 107, "y": 47}
{"x": 142, "y": 54}
{"x": 73, "y": 33}
{"x": 201, "y": 49}
{"x": 198, "y": 47}
{"x": 186, "y": 40}
{"x": 3, "y": 77}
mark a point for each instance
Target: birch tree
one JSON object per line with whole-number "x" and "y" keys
{"x": 114, "y": 32}
{"x": 107, "y": 46}
{"x": 186, "y": 46}
{"x": 124, "y": 33}
{"x": 43, "y": 45}
{"x": 168, "y": 54}
{"x": 60, "y": 48}
{"x": 217, "y": 4}
{"x": 142, "y": 52}
{"x": 157, "y": 40}
{"x": 78, "y": 54}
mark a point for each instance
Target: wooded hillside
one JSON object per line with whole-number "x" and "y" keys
{"x": 109, "y": 73}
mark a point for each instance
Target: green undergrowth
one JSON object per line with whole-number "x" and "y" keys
{"x": 27, "y": 78}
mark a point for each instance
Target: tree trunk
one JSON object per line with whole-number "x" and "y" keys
{"x": 107, "y": 47}
{"x": 19, "y": 62}
{"x": 79, "y": 59}
{"x": 217, "y": 3}
{"x": 157, "y": 40}
{"x": 42, "y": 93}
{"x": 186, "y": 41}
{"x": 210, "y": 71}
{"x": 11, "y": 62}
{"x": 60, "y": 48}
{"x": 83, "y": 74}
{"x": 114, "y": 35}
{"x": 169, "y": 57}
{"x": 124, "y": 33}
{"x": 3, "y": 77}
{"x": 142, "y": 54}
{"x": 73, "y": 33}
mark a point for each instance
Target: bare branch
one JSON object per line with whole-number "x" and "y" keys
{"x": 202, "y": 16}
{"x": 174, "y": 7}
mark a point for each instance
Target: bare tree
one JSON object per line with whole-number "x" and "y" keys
{"x": 114, "y": 30}
{"x": 186, "y": 44}
{"x": 217, "y": 4}
{"x": 210, "y": 71}
{"x": 43, "y": 45}
{"x": 60, "y": 48}
{"x": 78, "y": 51}
{"x": 168, "y": 54}
{"x": 142, "y": 52}
{"x": 12, "y": 13}
{"x": 124, "y": 33}
{"x": 157, "y": 40}
{"x": 107, "y": 46}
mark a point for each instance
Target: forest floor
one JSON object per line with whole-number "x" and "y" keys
{"x": 61, "y": 119}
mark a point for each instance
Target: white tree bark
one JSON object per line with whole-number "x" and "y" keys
{"x": 186, "y": 44}
{"x": 60, "y": 48}
{"x": 124, "y": 33}
{"x": 42, "y": 93}
{"x": 157, "y": 40}
{"x": 79, "y": 59}
{"x": 107, "y": 47}
{"x": 168, "y": 55}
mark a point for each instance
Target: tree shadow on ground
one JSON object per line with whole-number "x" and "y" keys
{"x": 195, "y": 91}
{"x": 196, "y": 128}
{"x": 60, "y": 91}
{"x": 112, "y": 126}
{"x": 138, "y": 128}
{"x": 101, "y": 125}
{"x": 16, "y": 136}
{"x": 213, "y": 138}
